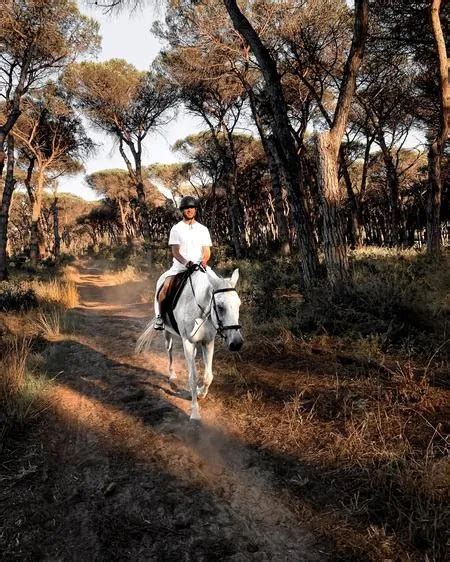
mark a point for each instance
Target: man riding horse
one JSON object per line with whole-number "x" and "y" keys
{"x": 191, "y": 244}
{"x": 194, "y": 303}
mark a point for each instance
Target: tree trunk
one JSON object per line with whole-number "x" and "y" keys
{"x": 301, "y": 220}
{"x": 268, "y": 144}
{"x": 35, "y": 239}
{"x": 363, "y": 185}
{"x": 233, "y": 213}
{"x": 13, "y": 105}
{"x": 334, "y": 245}
{"x": 434, "y": 199}
{"x": 306, "y": 241}
{"x": 355, "y": 217}
{"x": 277, "y": 191}
{"x": 4, "y": 210}
{"x": 143, "y": 211}
{"x": 124, "y": 237}
{"x": 56, "y": 236}
{"x": 437, "y": 147}
{"x": 393, "y": 185}
{"x": 287, "y": 151}
{"x": 136, "y": 176}
{"x": 328, "y": 149}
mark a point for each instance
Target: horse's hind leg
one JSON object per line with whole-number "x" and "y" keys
{"x": 169, "y": 347}
{"x": 208, "y": 352}
{"x": 190, "y": 352}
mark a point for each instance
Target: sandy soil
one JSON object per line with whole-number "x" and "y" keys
{"x": 117, "y": 472}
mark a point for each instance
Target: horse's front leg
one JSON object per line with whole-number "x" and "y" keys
{"x": 208, "y": 353}
{"x": 169, "y": 348}
{"x": 190, "y": 352}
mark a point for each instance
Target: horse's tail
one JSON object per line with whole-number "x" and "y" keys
{"x": 145, "y": 339}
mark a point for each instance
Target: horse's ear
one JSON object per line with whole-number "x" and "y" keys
{"x": 235, "y": 277}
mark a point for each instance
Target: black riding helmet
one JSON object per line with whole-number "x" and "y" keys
{"x": 188, "y": 201}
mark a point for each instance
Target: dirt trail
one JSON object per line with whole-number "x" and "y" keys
{"x": 119, "y": 472}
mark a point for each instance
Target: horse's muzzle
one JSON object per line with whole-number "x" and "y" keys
{"x": 235, "y": 342}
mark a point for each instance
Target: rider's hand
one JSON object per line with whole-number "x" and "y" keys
{"x": 203, "y": 264}
{"x": 189, "y": 264}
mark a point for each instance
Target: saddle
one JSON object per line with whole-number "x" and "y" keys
{"x": 175, "y": 286}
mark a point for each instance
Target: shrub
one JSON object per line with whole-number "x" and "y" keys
{"x": 398, "y": 298}
{"x": 391, "y": 296}
{"x": 16, "y": 296}
{"x": 271, "y": 286}
{"x": 122, "y": 253}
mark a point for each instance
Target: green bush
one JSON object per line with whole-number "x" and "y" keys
{"x": 16, "y": 297}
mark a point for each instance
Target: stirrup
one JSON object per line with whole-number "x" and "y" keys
{"x": 158, "y": 324}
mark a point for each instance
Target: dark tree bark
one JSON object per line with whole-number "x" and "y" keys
{"x": 234, "y": 206}
{"x": 393, "y": 185}
{"x": 364, "y": 175}
{"x": 123, "y": 222}
{"x": 233, "y": 213}
{"x": 355, "y": 215}
{"x": 436, "y": 150}
{"x": 328, "y": 148}
{"x": 331, "y": 200}
{"x": 279, "y": 199}
{"x": 275, "y": 177}
{"x": 136, "y": 176}
{"x": 56, "y": 235}
{"x": 5, "y": 205}
{"x": 288, "y": 154}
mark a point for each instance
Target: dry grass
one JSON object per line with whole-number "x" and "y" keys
{"x": 365, "y": 460}
{"x": 14, "y": 361}
{"x": 50, "y": 322}
{"x": 56, "y": 292}
{"x": 126, "y": 275}
{"x": 69, "y": 273}
{"x": 22, "y": 387}
{"x": 53, "y": 321}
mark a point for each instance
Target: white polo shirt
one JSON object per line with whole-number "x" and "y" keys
{"x": 191, "y": 238}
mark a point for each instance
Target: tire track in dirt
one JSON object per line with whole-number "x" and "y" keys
{"x": 134, "y": 478}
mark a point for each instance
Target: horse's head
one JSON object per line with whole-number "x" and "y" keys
{"x": 225, "y": 309}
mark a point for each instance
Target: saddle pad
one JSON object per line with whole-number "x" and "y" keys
{"x": 175, "y": 287}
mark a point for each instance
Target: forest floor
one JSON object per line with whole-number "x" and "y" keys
{"x": 117, "y": 472}
{"x": 114, "y": 469}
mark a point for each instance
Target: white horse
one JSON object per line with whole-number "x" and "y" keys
{"x": 208, "y": 305}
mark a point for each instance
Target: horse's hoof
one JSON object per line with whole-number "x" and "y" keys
{"x": 195, "y": 417}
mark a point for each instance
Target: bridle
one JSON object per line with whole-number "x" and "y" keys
{"x": 213, "y": 304}
{"x": 221, "y": 328}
